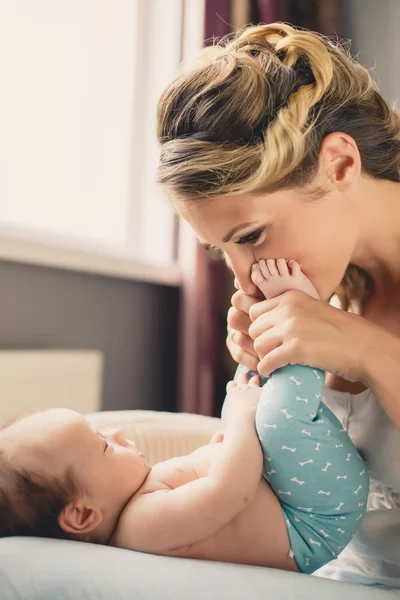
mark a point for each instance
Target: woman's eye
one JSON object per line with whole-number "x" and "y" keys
{"x": 105, "y": 446}
{"x": 252, "y": 238}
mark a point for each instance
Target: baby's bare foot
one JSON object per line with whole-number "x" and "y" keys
{"x": 274, "y": 277}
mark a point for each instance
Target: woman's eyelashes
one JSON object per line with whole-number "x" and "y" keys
{"x": 105, "y": 445}
{"x": 250, "y": 238}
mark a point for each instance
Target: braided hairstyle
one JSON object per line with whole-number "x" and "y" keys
{"x": 250, "y": 115}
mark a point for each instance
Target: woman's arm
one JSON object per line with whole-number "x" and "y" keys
{"x": 296, "y": 329}
{"x": 382, "y": 372}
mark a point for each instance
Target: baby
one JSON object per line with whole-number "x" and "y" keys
{"x": 291, "y": 502}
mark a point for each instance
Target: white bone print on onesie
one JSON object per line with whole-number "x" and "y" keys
{"x": 307, "y": 462}
{"x": 326, "y": 467}
{"x": 322, "y": 532}
{"x": 301, "y": 399}
{"x": 285, "y": 412}
{"x": 297, "y": 481}
{"x": 290, "y": 449}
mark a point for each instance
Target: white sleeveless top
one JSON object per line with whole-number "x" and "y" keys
{"x": 373, "y": 556}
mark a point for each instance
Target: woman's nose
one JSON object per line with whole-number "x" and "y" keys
{"x": 242, "y": 270}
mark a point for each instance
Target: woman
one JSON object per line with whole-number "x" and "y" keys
{"x": 276, "y": 144}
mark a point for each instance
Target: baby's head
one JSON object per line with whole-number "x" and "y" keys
{"x": 61, "y": 478}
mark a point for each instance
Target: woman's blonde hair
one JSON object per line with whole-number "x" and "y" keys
{"x": 249, "y": 117}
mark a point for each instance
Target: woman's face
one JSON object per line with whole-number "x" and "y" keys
{"x": 319, "y": 234}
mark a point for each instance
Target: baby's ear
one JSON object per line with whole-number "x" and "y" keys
{"x": 78, "y": 518}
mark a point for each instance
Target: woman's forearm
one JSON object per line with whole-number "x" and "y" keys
{"x": 382, "y": 373}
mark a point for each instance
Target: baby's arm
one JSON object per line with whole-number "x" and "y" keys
{"x": 162, "y": 521}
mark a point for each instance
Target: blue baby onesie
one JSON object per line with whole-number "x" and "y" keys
{"x": 311, "y": 464}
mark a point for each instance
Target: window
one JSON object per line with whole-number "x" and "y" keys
{"x": 78, "y": 149}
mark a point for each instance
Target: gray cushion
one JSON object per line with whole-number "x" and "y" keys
{"x": 41, "y": 569}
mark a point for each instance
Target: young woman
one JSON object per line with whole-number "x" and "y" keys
{"x": 278, "y": 145}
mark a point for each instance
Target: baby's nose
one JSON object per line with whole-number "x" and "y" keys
{"x": 118, "y": 436}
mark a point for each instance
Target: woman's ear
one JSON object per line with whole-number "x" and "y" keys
{"x": 78, "y": 518}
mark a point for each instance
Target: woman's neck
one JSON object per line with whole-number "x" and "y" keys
{"x": 378, "y": 248}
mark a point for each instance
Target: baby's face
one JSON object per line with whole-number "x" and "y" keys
{"x": 107, "y": 468}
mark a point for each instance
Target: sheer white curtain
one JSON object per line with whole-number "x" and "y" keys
{"x": 78, "y": 151}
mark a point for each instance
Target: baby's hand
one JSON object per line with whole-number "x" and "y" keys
{"x": 243, "y": 395}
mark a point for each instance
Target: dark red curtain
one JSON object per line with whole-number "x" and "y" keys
{"x": 206, "y": 362}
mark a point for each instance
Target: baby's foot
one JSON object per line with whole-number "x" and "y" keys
{"x": 274, "y": 277}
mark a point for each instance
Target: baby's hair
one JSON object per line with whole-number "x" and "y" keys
{"x": 30, "y": 503}
{"x": 249, "y": 117}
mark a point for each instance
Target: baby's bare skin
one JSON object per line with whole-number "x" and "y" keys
{"x": 256, "y": 536}
{"x": 255, "y": 533}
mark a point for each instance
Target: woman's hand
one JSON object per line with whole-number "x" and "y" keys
{"x": 296, "y": 329}
{"x": 238, "y": 341}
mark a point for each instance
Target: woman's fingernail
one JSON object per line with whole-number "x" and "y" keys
{"x": 254, "y": 267}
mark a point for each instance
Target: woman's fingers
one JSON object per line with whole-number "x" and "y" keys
{"x": 243, "y": 302}
{"x": 240, "y": 355}
{"x": 278, "y": 357}
{"x": 242, "y": 340}
{"x": 238, "y": 320}
{"x": 263, "y": 307}
{"x": 238, "y": 341}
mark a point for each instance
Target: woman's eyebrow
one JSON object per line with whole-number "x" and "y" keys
{"x": 235, "y": 229}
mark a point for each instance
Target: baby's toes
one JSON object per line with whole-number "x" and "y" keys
{"x": 272, "y": 268}
{"x": 264, "y": 269}
{"x": 294, "y": 268}
{"x": 256, "y": 275}
{"x": 282, "y": 267}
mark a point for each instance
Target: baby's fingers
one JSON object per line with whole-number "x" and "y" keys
{"x": 255, "y": 380}
{"x": 243, "y": 378}
{"x": 230, "y": 385}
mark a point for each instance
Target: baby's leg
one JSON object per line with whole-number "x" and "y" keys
{"x": 309, "y": 461}
{"x": 312, "y": 466}
{"x": 290, "y": 427}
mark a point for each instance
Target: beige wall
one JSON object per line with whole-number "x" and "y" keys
{"x": 133, "y": 324}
